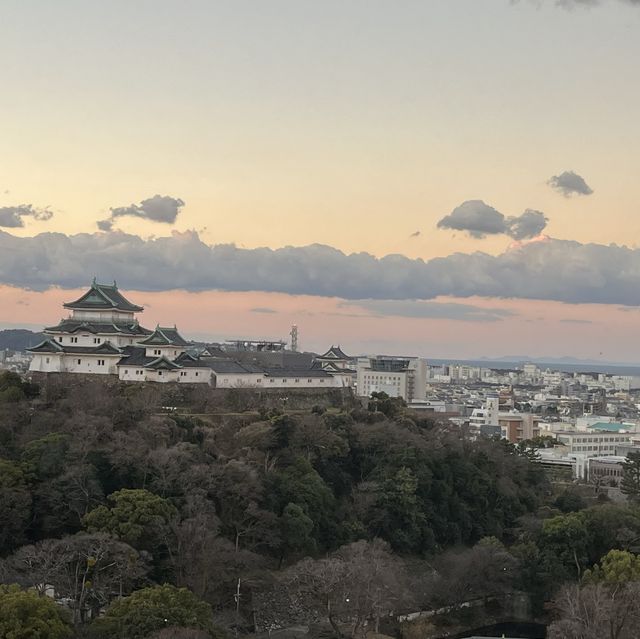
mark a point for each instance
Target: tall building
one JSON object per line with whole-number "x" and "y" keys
{"x": 404, "y": 377}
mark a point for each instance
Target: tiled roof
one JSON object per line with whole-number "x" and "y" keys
{"x": 103, "y": 297}
{"x": 230, "y": 366}
{"x": 165, "y": 337}
{"x": 335, "y": 352}
{"x": 162, "y": 363}
{"x": 50, "y": 346}
{"x": 296, "y": 372}
{"x": 106, "y": 328}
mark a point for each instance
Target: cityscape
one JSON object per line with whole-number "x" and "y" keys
{"x": 318, "y": 319}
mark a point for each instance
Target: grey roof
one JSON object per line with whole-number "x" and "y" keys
{"x": 136, "y": 356}
{"x": 165, "y": 337}
{"x": 296, "y": 372}
{"x": 51, "y": 346}
{"x": 222, "y": 365}
{"x": 162, "y": 363}
{"x": 109, "y": 328}
{"x": 335, "y": 352}
{"x": 333, "y": 368}
{"x": 47, "y": 346}
{"x": 104, "y": 297}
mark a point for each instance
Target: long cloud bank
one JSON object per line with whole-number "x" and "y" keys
{"x": 557, "y": 270}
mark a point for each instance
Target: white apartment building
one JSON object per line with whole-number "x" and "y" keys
{"x": 592, "y": 443}
{"x": 404, "y": 377}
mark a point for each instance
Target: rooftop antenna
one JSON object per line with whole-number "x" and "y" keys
{"x": 294, "y": 338}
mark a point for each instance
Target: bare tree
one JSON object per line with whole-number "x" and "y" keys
{"x": 88, "y": 570}
{"x": 597, "y": 611}
{"x": 352, "y": 589}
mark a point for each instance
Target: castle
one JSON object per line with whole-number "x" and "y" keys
{"x": 102, "y": 336}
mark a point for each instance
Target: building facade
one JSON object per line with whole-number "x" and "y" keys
{"x": 404, "y": 377}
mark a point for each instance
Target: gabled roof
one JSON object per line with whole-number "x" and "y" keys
{"x": 48, "y": 346}
{"x": 109, "y": 328}
{"x": 162, "y": 364}
{"x": 165, "y": 337}
{"x": 51, "y": 346}
{"x": 103, "y": 297}
{"x": 333, "y": 368}
{"x": 335, "y": 352}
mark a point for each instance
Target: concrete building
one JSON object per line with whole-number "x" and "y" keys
{"x": 517, "y": 427}
{"x": 485, "y": 420}
{"x": 404, "y": 377}
{"x": 592, "y": 443}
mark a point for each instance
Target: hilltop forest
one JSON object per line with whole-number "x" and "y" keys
{"x": 144, "y": 512}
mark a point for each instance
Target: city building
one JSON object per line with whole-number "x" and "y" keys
{"x": 517, "y": 427}
{"x": 404, "y": 377}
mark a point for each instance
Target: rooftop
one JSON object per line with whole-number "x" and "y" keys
{"x": 103, "y": 297}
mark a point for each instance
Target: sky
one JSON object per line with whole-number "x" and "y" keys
{"x": 449, "y": 178}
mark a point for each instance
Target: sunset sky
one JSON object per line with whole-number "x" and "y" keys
{"x": 490, "y": 147}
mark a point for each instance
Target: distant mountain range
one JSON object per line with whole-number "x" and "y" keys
{"x": 19, "y": 339}
{"x": 519, "y": 359}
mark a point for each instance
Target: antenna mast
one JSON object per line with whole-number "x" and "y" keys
{"x": 294, "y": 338}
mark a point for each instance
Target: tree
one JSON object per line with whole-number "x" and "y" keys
{"x": 565, "y": 539}
{"x": 630, "y": 484}
{"x": 87, "y": 569}
{"x": 137, "y": 517}
{"x": 597, "y": 611}
{"x": 151, "y": 610}
{"x": 15, "y": 505}
{"x": 296, "y": 528}
{"x": 26, "y": 615}
{"x": 616, "y": 567}
{"x": 487, "y": 569}
{"x": 354, "y": 587}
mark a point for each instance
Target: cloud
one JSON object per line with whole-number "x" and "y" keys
{"x": 159, "y": 208}
{"x": 420, "y": 309}
{"x": 530, "y": 224}
{"x": 479, "y": 220}
{"x": 12, "y": 216}
{"x": 263, "y": 309}
{"x": 559, "y": 270}
{"x": 570, "y": 4}
{"x": 415, "y": 234}
{"x": 569, "y": 183}
{"x": 576, "y": 321}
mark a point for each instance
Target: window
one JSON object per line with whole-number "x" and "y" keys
{"x": 183, "y": 374}
{"x": 322, "y": 381}
{"x": 73, "y": 340}
{"x": 157, "y": 351}
{"x": 47, "y": 360}
{"x": 259, "y": 380}
{"x": 272, "y": 380}
{"x": 100, "y": 362}
{"x": 159, "y": 372}
{"x": 309, "y": 381}
{"x": 79, "y": 361}
{"x": 96, "y": 340}
{"x": 197, "y": 374}
{"x": 296, "y": 381}
{"x": 284, "y": 380}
